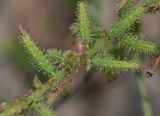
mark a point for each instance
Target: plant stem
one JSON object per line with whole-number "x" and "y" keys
{"x": 145, "y": 104}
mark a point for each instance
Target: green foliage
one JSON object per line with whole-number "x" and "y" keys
{"x": 37, "y": 95}
{"x": 97, "y": 47}
{"x": 136, "y": 44}
{"x": 59, "y": 65}
{"x": 36, "y": 55}
{"x": 17, "y": 108}
{"x": 83, "y": 24}
{"x": 120, "y": 29}
{"x": 61, "y": 59}
{"x": 157, "y": 2}
{"x": 37, "y": 83}
{"x": 109, "y": 64}
{"x": 126, "y": 22}
{"x": 43, "y": 109}
{"x": 128, "y": 6}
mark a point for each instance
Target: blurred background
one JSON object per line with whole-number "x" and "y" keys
{"x": 48, "y": 22}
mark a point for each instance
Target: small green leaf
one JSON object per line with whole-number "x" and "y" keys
{"x": 37, "y": 83}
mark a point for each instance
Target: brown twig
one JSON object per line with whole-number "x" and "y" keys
{"x": 3, "y": 106}
{"x": 75, "y": 89}
{"x": 154, "y": 66}
{"x": 121, "y": 5}
{"x": 58, "y": 89}
{"x": 21, "y": 28}
{"x": 153, "y": 7}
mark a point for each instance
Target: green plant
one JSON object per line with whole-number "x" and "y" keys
{"x": 95, "y": 51}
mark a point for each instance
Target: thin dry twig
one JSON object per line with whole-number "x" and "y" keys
{"x": 154, "y": 66}
{"x": 121, "y": 5}
{"x": 58, "y": 89}
{"x": 153, "y": 7}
